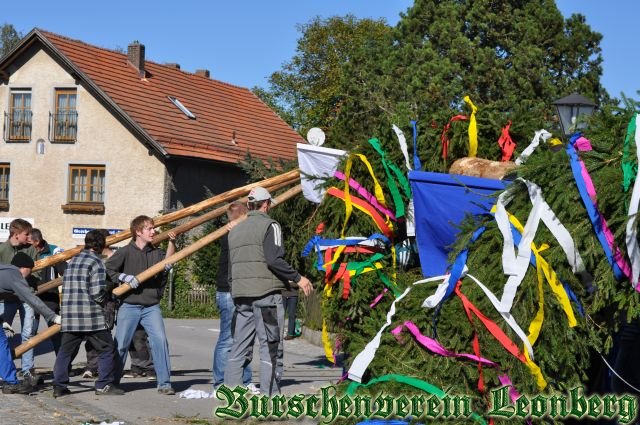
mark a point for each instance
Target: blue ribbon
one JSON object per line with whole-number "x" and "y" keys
{"x": 592, "y": 210}
{"x": 316, "y": 242}
{"x": 416, "y": 159}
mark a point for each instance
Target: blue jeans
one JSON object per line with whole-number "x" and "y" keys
{"x": 225, "y": 340}
{"x": 8, "y": 311}
{"x": 7, "y": 368}
{"x": 150, "y": 317}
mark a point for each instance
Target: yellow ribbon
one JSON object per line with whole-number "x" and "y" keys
{"x": 473, "y": 128}
{"x": 543, "y": 272}
{"x": 550, "y": 276}
{"x": 328, "y": 351}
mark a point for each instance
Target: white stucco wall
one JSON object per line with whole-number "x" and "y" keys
{"x": 39, "y": 183}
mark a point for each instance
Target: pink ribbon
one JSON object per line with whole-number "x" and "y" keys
{"x": 513, "y": 393}
{"x": 435, "y": 347}
{"x": 366, "y": 195}
{"x": 591, "y": 190}
{"x": 378, "y": 298}
{"x": 583, "y": 144}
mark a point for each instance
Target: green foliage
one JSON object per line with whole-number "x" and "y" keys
{"x": 512, "y": 58}
{"x": 307, "y": 91}
{"x": 9, "y": 37}
{"x": 205, "y": 260}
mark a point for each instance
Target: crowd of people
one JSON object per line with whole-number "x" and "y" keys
{"x": 252, "y": 278}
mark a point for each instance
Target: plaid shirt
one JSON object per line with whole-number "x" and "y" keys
{"x": 83, "y": 281}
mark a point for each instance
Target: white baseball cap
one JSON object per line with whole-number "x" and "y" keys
{"x": 260, "y": 194}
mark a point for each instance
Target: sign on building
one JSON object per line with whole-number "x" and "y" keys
{"x": 80, "y": 232}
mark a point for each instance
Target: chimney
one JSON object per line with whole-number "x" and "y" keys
{"x": 172, "y": 65}
{"x": 203, "y": 73}
{"x": 135, "y": 55}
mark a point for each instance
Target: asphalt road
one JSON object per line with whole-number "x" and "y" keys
{"x": 191, "y": 345}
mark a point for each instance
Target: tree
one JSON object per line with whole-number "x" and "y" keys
{"x": 512, "y": 58}
{"x": 306, "y": 92}
{"x": 9, "y": 37}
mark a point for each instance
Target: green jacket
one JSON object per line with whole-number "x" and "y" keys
{"x": 254, "y": 272}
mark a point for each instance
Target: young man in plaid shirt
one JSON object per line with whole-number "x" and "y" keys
{"x": 84, "y": 290}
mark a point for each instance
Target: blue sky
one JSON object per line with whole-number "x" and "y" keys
{"x": 244, "y": 41}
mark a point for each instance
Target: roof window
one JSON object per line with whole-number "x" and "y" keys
{"x": 183, "y": 108}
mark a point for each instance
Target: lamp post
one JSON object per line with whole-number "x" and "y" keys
{"x": 570, "y": 109}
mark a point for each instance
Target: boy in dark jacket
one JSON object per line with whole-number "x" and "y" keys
{"x": 141, "y": 305}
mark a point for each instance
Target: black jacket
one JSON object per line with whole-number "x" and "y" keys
{"x": 132, "y": 260}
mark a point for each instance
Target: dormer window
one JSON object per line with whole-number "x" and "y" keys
{"x": 183, "y": 108}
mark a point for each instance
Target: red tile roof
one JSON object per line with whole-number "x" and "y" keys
{"x": 221, "y": 109}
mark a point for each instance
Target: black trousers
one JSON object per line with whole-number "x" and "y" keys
{"x": 102, "y": 342}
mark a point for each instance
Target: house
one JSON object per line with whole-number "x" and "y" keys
{"x": 93, "y": 137}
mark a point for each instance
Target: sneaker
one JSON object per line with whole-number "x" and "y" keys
{"x": 134, "y": 374}
{"x": 109, "y": 390}
{"x": 252, "y": 389}
{"x": 89, "y": 374}
{"x": 60, "y": 391}
{"x": 166, "y": 391}
{"x": 23, "y": 387}
{"x": 151, "y": 375}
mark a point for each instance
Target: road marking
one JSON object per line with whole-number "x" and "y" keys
{"x": 214, "y": 330}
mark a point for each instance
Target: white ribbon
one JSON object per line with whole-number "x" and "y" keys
{"x": 403, "y": 145}
{"x": 411, "y": 221}
{"x": 364, "y": 358}
{"x": 540, "y": 134}
{"x": 632, "y": 236}
{"x": 516, "y": 266}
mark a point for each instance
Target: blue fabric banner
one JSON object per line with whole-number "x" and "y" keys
{"x": 441, "y": 203}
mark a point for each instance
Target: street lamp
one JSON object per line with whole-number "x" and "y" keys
{"x": 570, "y": 111}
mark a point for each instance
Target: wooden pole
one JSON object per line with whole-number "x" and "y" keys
{"x": 211, "y": 215}
{"x": 233, "y": 194}
{"x": 154, "y": 270}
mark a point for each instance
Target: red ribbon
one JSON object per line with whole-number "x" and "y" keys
{"x": 507, "y": 145}
{"x": 445, "y": 138}
{"x": 491, "y": 326}
{"x": 366, "y": 207}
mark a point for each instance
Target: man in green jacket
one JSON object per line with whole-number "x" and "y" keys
{"x": 259, "y": 273}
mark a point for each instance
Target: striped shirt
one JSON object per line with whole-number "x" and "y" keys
{"x": 83, "y": 282}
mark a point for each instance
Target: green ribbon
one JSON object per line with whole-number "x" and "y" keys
{"x": 390, "y": 170}
{"x": 629, "y": 167}
{"x": 413, "y": 382}
{"x": 359, "y": 266}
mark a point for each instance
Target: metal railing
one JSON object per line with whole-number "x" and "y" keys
{"x": 17, "y": 125}
{"x": 63, "y": 126}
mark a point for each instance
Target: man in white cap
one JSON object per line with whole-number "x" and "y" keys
{"x": 259, "y": 273}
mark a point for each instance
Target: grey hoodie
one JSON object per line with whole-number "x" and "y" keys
{"x": 12, "y": 282}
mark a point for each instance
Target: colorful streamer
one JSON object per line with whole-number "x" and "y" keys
{"x": 507, "y": 145}
{"x": 588, "y": 194}
{"x": 473, "y": 128}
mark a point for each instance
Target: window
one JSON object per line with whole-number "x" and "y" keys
{"x": 86, "y": 183}
{"x": 86, "y": 189}
{"x": 18, "y": 120}
{"x": 65, "y": 117}
{"x": 182, "y": 107}
{"x": 4, "y": 186}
